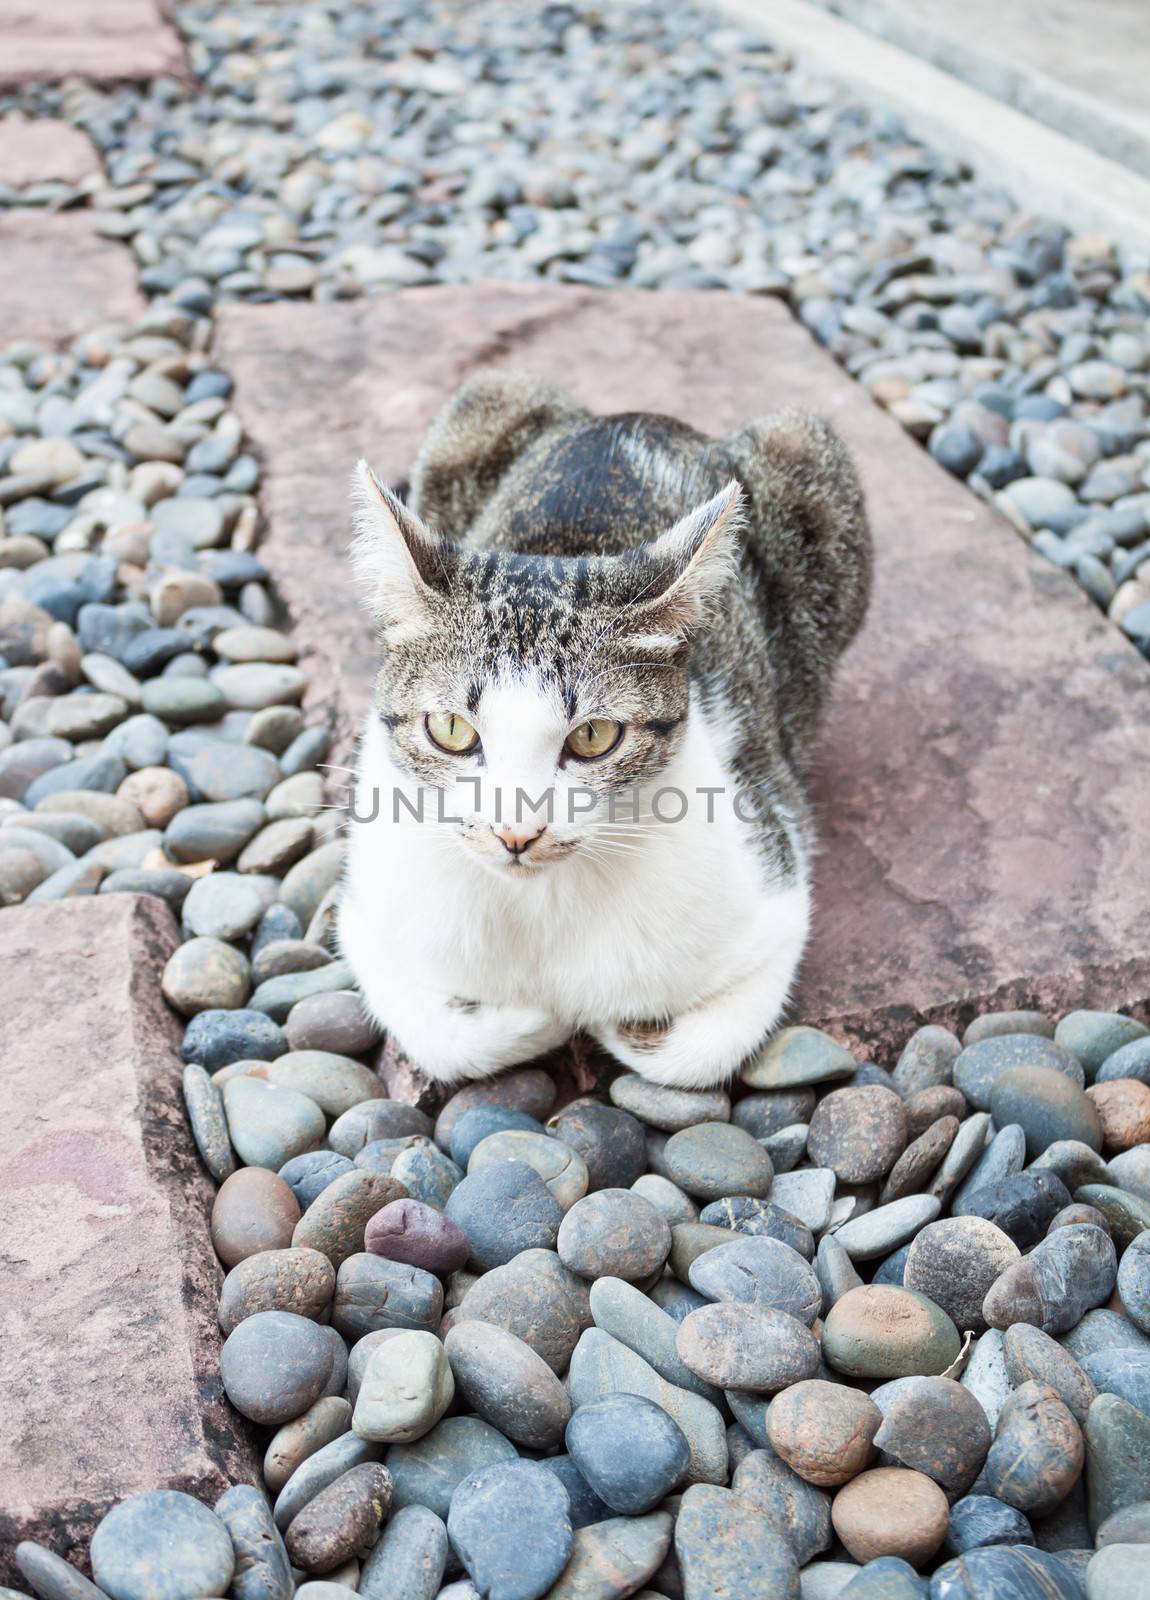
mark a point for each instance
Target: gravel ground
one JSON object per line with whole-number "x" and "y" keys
{"x": 337, "y": 151}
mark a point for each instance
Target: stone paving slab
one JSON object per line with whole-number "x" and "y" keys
{"x": 107, "y": 41}
{"x": 58, "y": 278}
{"x": 108, "y": 1281}
{"x": 983, "y": 780}
{"x": 43, "y": 150}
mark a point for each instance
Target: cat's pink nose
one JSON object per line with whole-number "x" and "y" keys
{"x": 515, "y": 840}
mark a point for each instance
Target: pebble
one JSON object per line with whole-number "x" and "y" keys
{"x": 879, "y": 1331}
{"x": 216, "y": 1038}
{"x": 629, "y": 1450}
{"x": 529, "y": 1090}
{"x": 796, "y": 1057}
{"x": 740, "y": 1346}
{"x": 335, "y": 1221}
{"x": 406, "y": 1388}
{"x": 743, "y": 1214}
{"x": 300, "y": 1281}
{"x": 1033, "y": 1356}
{"x": 920, "y": 1158}
{"x": 335, "y": 1083}
{"x": 666, "y": 1197}
{"x": 503, "y": 1210}
{"x": 858, "y": 1133}
{"x": 205, "y": 1108}
{"x": 374, "y": 1119}
{"x": 341, "y": 1519}
{"x": 823, "y": 1431}
{"x": 1021, "y": 1206}
{"x": 716, "y": 1159}
{"x": 1004, "y": 1156}
{"x": 1094, "y": 1036}
{"x": 296, "y": 1441}
{"x": 334, "y": 1021}
{"x": 979, "y": 1520}
{"x": 318, "y": 1470}
{"x": 612, "y": 1233}
{"x": 1006, "y": 1571}
{"x": 428, "y": 1472}
{"x": 161, "y": 1545}
{"x": 614, "y": 1556}
{"x": 254, "y": 1211}
{"x": 888, "y": 1226}
{"x": 1118, "y": 1573}
{"x": 510, "y": 1526}
{"x": 274, "y": 1365}
{"x": 807, "y": 1194}
{"x": 409, "y": 1560}
{"x": 796, "y": 1507}
{"x": 405, "y": 1230}
{"x": 1125, "y": 1215}
{"x": 632, "y": 1318}
{"x": 263, "y": 1571}
{"x": 206, "y": 974}
{"x": 51, "y": 1577}
{"x": 507, "y": 1384}
{"x": 1070, "y": 1272}
{"x": 1117, "y": 1457}
{"x": 1133, "y": 1281}
{"x": 765, "y": 1114}
{"x": 269, "y": 1125}
{"x": 535, "y": 1297}
{"x": 562, "y": 1170}
{"x": 954, "y": 1262}
{"x": 927, "y": 1060}
{"x": 725, "y": 1546}
{"x": 761, "y": 1272}
{"x": 309, "y": 1175}
{"x": 1047, "y": 1106}
{"x": 980, "y": 1065}
{"x": 1038, "y": 1451}
{"x": 1123, "y": 1108}
{"x": 610, "y": 1140}
{"x": 481, "y": 1122}
{"x": 670, "y": 1109}
{"x": 372, "y": 1293}
{"x": 890, "y": 1511}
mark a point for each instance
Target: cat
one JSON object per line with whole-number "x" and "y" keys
{"x": 623, "y": 614}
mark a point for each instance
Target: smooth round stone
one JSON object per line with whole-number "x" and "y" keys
{"x": 933, "y": 1426}
{"x": 1005, "y": 1573}
{"x": 666, "y": 1197}
{"x": 224, "y": 905}
{"x": 505, "y": 1209}
{"x": 1003, "y": 1157}
{"x": 334, "y": 1223}
{"x": 1033, "y": 1356}
{"x": 319, "y": 1470}
{"x": 268, "y": 1125}
{"x": 885, "y": 1578}
{"x": 1134, "y": 1281}
{"x": 1129, "y": 1061}
{"x": 476, "y": 1125}
{"x": 927, "y": 1060}
{"x": 879, "y": 1331}
{"x": 629, "y": 1450}
{"x": 162, "y": 1545}
{"x": 562, "y": 1170}
{"x": 1129, "y": 1525}
{"x": 300, "y": 1281}
{"x": 263, "y": 1571}
{"x": 1037, "y": 1454}
{"x": 1123, "y": 1107}
{"x": 670, "y": 1109}
{"x": 51, "y": 1577}
{"x": 254, "y": 685}
{"x": 622, "y": 1311}
{"x": 835, "y": 1271}
{"x": 372, "y": 1293}
{"x": 530, "y": 1090}
{"x": 224, "y": 770}
{"x": 954, "y": 1262}
{"x": 428, "y": 1472}
{"x": 1093, "y": 1036}
{"x": 205, "y": 1108}
{"x": 761, "y": 1272}
{"x": 507, "y": 1384}
{"x": 877, "y": 1232}
{"x": 1069, "y": 1273}
{"x": 216, "y": 831}
{"x": 334, "y": 1022}
{"x": 823, "y": 1431}
{"x": 1125, "y": 1215}
{"x": 737, "y": 1346}
{"x": 1125, "y": 1373}
{"x": 890, "y": 1511}
{"x": 1046, "y": 1105}
{"x": 920, "y": 1158}
{"x": 1103, "y": 1330}
{"x": 373, "y": 1119}
{"x": 690, "y": 1240}
{"x": 725, "y": 1546}
{"x": 584, "y": 1504}
{"x": 761, "y": 1218}
{"x": 426, "y": 1173}
{"x": 253, "y": 644}
{"x": 797, "y": 1508}
{"x": 610, "y": 1140}
{"x": 1118, "y": 1449}
{"x": 361, "y": 1353}
{"x": 217, "y": 1038}
{"x": 510, "y": 1526}
{"x": 307, "y": 1176}
{"x": 341, "y": 1519}
{"x": 296, "y": 1441}
{"x": 765, "y": 1114}
{"x": 1131, "y": 1171}
{"x": 206, "y": 975}
{"x": 980, "y": 1065}
{"x": 858, "y": 1133}
{"x": 254, "y": 1210}
{"x": 278, "y": 995}
{"x": 993, "y": 1024}
{"x": 980, "y": 1520}
{"x": 277, "y": 957}
{"x": 536, "y": 1298}
{"x": 275, "y": 1365}
{"x": 787, "y": 1147}
{"x": 796, "y": 1057}
{"x": 808, "y": 1194}
{"x": 405, "y": 1230}
{"x": 1021, "y": 1206}
{"x": 614, "y": 1233}
{"x": 182, "y": 700}
{"x": 614, "y": 1556}
{"x": 716, "y": 1159}
{"x": 406, "y": 1388}
{"x": 409, "y": 1560}
{"x": 335, "y": 1083}
{"x": 1118, "y": 1572}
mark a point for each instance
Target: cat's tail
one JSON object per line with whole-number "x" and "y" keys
{"x": 808, "y": 555}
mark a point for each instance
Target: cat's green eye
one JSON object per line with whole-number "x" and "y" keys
{"x": 593, "y": 738}
{"x": 451, "y": 732}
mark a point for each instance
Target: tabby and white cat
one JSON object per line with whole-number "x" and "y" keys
{"x": 618, "y": 614}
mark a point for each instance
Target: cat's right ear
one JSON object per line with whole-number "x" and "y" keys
{"x": 399, "y": 563}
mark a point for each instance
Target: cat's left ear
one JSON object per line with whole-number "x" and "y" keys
{"x": 399, "y": 562}
{"x": 693, "y": 562}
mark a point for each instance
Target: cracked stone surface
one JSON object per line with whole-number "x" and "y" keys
{"x": 107, "y": 1276}
{"x": 983, "y": 772}
{"x": 108, "y": 41}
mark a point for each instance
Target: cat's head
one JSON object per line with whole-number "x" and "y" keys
{"x": 556, "y": 683}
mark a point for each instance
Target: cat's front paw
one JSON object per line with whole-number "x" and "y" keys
{"x": 466, "y": 1039}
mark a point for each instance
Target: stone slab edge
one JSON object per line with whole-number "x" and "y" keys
{"x": 1046, "y": 172}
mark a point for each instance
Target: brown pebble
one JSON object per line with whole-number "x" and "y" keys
{"x": 1033, "y": 1356}
{"x": 295, "y": 1441}
{"x": 341, "y": 1519}
{"x": 407, "y": 1230}
{"x": 334, "y": 1223}
{"x": 157, "y": 793}
{"x": 1079, "y": 1215}
{"x": 1123, "y": 1107}
{"x": 859, "y": 1133}
{"x": 296, "y": 1280}
{"x": 823, "y": 1431}
{"x": 891, "y": 1511}
{"x": 1037, "y": 1453}
{"x": 737, "y": 1346}
{"x": 912, "y": 1169}
{"x": 926, "y": 1106}
{"x": 253, "y": 1210}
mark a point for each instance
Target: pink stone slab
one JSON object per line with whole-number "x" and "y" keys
{"x": 108, "y": 1280}
{"x": 59, "y": 278}
{"x": 43, "y": 150}
{"x": 108, "y": 41}
{"x": 982, "y": 788}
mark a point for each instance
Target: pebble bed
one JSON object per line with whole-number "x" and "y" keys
{"x": 327, "y": 152}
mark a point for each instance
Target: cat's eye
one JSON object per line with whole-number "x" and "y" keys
{"x": 451, "y": 732}
{"x": 594, "y": 738}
